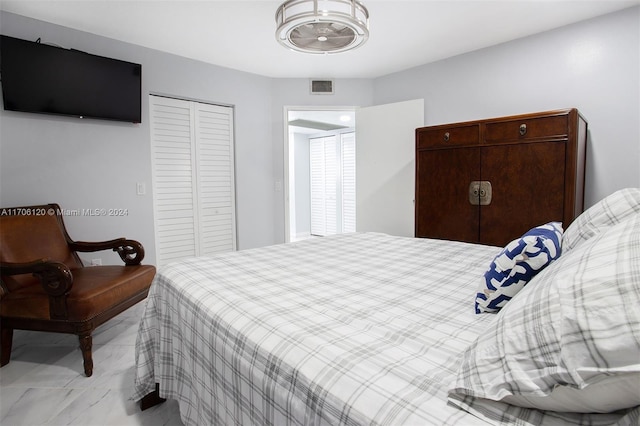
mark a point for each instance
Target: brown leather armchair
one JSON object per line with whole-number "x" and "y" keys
{"x": 45, "y": 287}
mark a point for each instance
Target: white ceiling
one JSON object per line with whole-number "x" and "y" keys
{"x": 240, "y": 34}
{"x": 331, "y": 116}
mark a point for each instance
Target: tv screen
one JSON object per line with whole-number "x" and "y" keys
{"x": 40, "y": 78}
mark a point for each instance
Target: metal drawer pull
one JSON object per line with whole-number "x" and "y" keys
{"x": 446, "y": 137}
{"x": 480, "y": 193}
{"x": 523, "y": 129}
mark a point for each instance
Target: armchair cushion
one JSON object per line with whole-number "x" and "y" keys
{"x": 95, "y": 290}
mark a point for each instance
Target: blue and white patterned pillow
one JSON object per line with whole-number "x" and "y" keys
{"x": 516, "y": 264}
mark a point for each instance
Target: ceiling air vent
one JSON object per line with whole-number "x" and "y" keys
{"x": 322, "y": 87}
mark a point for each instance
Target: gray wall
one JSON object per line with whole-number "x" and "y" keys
{"x": 84, "y": 164}
{"x": 593, "y": 66}
{"x": 96, "y": 164}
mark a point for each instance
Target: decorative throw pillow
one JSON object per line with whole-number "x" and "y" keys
{"x": 602, "y": 215}
{"x": 569, "y": 341}
{"x": 516, "y": 264}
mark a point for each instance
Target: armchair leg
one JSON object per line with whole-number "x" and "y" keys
{"x": 85, "y": 345}
{"x": 7, "y": 342}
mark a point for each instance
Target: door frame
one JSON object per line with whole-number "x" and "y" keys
{"x": 288, "y": 195}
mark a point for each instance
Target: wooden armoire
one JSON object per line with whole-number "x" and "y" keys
{"x": 489, "y": 181}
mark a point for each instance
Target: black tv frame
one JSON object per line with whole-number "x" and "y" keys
{"x": 41, "y": 78}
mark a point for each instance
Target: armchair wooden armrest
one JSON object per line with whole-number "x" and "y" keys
{"x": 55, "y": 277}
{"x": 130, "y": 251}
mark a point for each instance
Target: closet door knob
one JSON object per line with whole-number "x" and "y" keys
{"x": 523, "y": 129}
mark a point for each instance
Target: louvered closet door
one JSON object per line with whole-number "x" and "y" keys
{"x": 348, "y": 182}
{"x": 192, "y": 150}
{"x": 316, "y": 158}
{"x": 172, "y": 137}
{"x": 214, "y": 136}
{"x": 324, "y": 191}
{"x": 330, "y": 185}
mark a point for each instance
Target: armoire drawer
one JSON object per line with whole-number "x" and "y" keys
{"x": 527, "y": 128}
{"x": 448, "y": 136}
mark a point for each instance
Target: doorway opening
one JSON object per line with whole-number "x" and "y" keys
{"x": 319, "y": 171}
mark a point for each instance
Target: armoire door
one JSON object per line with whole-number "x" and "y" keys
{"x": 443, "y": 209}
{"x": 527, "y": 182}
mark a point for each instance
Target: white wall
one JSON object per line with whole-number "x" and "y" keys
{"x": 593, "y": 65}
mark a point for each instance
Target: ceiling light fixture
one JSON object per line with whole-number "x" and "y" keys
{"x": 322, "y": 26}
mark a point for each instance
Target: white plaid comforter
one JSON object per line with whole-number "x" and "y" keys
{"x": 345, "y": 330}
{"x": 350, "y": 329}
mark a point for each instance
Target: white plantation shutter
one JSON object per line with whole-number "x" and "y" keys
{"x": 316, "y": 156}
{"x": 348, "y": 182}
{"x": 192, "y": 150}
{"x": 330, "y": 185}
{"x": 324, "y": 190}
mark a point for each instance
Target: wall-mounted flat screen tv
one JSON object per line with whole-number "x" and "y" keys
{"x": 41, "y": 78}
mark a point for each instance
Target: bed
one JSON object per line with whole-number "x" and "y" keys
{"x": 368, "y": 328}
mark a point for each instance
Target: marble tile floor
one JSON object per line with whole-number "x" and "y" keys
{"x": 44, "y": 383}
